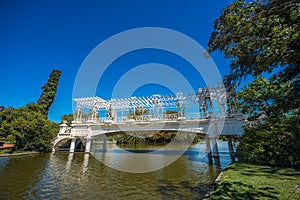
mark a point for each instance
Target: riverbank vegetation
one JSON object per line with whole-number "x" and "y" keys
{"x": 28, "y": 127}
{"x": 249, "y": 181}
{"x": 160, "y": 137}
{"x": 262, "y": 41}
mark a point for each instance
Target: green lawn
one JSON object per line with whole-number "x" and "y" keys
{"x": 245, "y": 181}
{"x": 5, "y": 151}
{"x": 10, "y": 152}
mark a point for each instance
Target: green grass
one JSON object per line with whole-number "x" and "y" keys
{"x": 5, "y": 151}
{"x": 10, "y": 151}
{"x": 246, "y": 181}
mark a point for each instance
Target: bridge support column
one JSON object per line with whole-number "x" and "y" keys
{"x": 208, "y": 149}
{"x": 215, "y": 147}
{"x": 72, "y": 147}
{"x": 88, "y": 145}
{"x": 104, "y": 143}
{"x": 230, "y": 148}
{"x": 215, "y": 150}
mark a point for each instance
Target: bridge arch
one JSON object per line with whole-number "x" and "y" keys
{"x": 74, "y": 142}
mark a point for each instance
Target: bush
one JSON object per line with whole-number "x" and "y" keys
{"x": 28, "y": 128}
{"x": 276, "y": 143}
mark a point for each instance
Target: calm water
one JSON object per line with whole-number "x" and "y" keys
{"x": 79, "y": 175}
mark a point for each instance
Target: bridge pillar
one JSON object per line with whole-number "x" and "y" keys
{"x": 53, "y": 148}
{"x": 215, "y": 147}
{"x": 215, "y": 150}
{"x": 104, "y": 143}
{"x": 208, "y": 149}
{"x": 88, "y": 145}
{"x": 72, "y": 147}
{"x": 230, "y": 148}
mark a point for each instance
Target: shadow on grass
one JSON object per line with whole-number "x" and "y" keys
{"x": 267, "y": 171}
{"x": 239, "y": 190}
{"x": 246, "y": 181}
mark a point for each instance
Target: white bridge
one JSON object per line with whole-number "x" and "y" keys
{"x": 207, "y": 112}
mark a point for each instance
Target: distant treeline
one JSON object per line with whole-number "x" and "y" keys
{"x": 157, "y": 138}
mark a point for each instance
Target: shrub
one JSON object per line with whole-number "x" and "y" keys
{"x": 277, "y": 143}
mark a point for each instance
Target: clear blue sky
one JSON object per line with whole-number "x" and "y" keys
{"x": 38, "y": 36}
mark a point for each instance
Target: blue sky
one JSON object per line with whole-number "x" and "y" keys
{"x": 38, "y": 36}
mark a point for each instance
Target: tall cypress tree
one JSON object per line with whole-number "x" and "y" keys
{"x": 49, "y": 92}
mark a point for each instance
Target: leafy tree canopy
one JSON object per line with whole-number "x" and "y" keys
{"x": 264, "y": 95}
{"x": 274, "y": 143}
{"x": 262, "y": 40}
{"x": 49, "y": 91}
{"x": 68, "y": 118}
{"x": 28, "y": 126}
{"x": 259, "y": 36}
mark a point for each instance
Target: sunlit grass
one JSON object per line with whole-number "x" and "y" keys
{"x": 246, "y": 181}
{"x": 5, "y": 151}
{"x": 11, "y": 152}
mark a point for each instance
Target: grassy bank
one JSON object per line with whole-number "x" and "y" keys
{"x": 245, "y": 181}
{"x": 9, "y": 153}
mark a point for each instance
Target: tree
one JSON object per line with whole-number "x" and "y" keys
{"x": 68, "y": 118}
{"x": 258, "y": 37}
{"x": 49, "y": 91}
{"x": 264, "y": 95}
{"x": 274, "y": 143}
{"x": 140, "y": 111}
{"x": 28, "y": 126}
{"x": 262, "y": 40}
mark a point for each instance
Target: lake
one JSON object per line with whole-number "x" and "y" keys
{"x": 62, "y": 175}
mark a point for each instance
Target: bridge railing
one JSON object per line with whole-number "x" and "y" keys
{"x": 149, "y": 118}
{"x": 79, "y": 132}
{"x": 170, "y": 117}
{"x": 157, "y": 117}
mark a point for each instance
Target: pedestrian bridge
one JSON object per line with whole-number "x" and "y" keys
{"x": 205, "y": 113}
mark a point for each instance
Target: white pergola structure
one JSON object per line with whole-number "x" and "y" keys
{"x": 208, "y": 101}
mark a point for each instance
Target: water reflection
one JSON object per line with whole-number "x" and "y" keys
{"x": 68, "y": 165}
{"x": 85, "y": 162}
{"x": 79, "y": 175}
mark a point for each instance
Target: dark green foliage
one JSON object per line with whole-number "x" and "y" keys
{"x": 28, "y": 126}
{"x": 258, "y": 36}
{"x": 67, "y": 119}
{"x": 171, "y": 112}
{"x": 157, "y": 138}
{"x": 262, "y": 39}
{"x": 275, "y": 100}
{"x": 140, "y": 111}
{"x": 277, "y": 142}
{"x": 144, "y": 138}
{"x": 49, "y": 91}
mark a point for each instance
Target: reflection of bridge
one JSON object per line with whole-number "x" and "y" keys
{"x": 206, "y": 112}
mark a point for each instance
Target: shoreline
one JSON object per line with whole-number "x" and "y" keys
{"x": 216, "y": 181}
{"x": 18, "y": 154}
